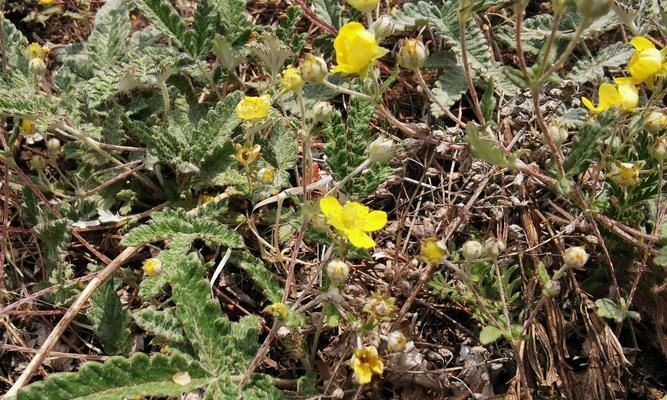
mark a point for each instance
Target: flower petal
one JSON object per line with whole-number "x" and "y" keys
{"x": 363, "y": 373}
{"x": 360, "y": 239}
{"x": 589, "y": 104}
{"x": 333, "y": 211}
{"x": 609, "y": 96}
{"x": 641, "y": 43}
{"x": 374, "y": 221}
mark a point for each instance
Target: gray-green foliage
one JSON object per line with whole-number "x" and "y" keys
{"x": 592, "y": 69}
{"x": 345, "y": 147}
{"x": 111, "y": 322}
{"x": 588, "y": 142}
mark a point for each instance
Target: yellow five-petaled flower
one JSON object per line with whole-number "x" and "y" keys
{"x": 253, "y": 108}
{"x": 624, "y": 94}
{"x": 356, "y": 48}
{"x": 646, "y": 62}
{"x": 246, "y": 154}
{"x": 353, "y": 220}
{"x": 365, "y": 362}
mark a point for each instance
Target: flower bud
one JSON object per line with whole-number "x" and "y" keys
{"x": 278, "y": 310}
{"x": 575, "y": 257}
{"x": 593, "y": 9}
{"x": 493, "y": 247}
{"x": 322, "y": 111}
{"x": 384, "y": 27}
{"x": 338, "y": 271}
{"x": 433, "y": 250}
{"x": 655, "y": 122}
{"x": 363, "y": 5}
{"x": 265, "y": 175}
{"x": 37, "y": 67}
{"x": 396, "y": 341}
{"x": 558, "y": 134}
{"x": 319, "y": 223}
{"x": 659, "y": 148}
{"x": 38, "y": 163}
{"x": 551, "y": 289}
{"x": 412, "y": 54}
{"x": 313, "y": 69}
{"x": 472, "y": 250}
{"x": 381, "y": 150}
{"x": 53, "y": 147}
{"x": 292, "y": 81}
{"x": 152, "y": 267}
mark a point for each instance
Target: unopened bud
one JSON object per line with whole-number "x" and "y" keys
{"x": 338, "y": 271}
{"x": 558, "y": 134}
{"x": 396, "y": 341}
{"x": 551, "y": 289}
{"x": 291, "y": 79}
{"x": 322, "y": 111}
{"x": 38, "y": 163}
{"x": 384, "y": 27}
{"x": 593, "y": 9}
{"x": 472, "y": 250}
{"x": 37, "y": 67}
{"x": 152, "y": 267}
{"x": 656, "y": 122}
{"x": 381, "y": 150}
{"x": 575, "y": 257}
{"x": 53, "y": 147}
{"x": 412, "y": 54}
{"x": 265, "y": 175}
{"x": 659, "y": 148}
{"x": 319, "y": 223}
{"x": 493, "y": 247}
{"x": 363, "y": 5}
{"x": 313, "y": 69}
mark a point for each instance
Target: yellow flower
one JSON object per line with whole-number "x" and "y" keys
{"x": 353, "y": 220}
{"x": 364, "y": 5}
{"x": 625, "y": 174}
{"x": 254, "y": 108}
{"x": 152, "y": 267}
{"x": 356, "y": 49}
{"x": 646, "y": 62}
{"x": 433, "y": 250}
{"x": 365, "y": 362}
{"x": 34, "y": 50}
{"x": 292, "y": 81}
{"x": 45, "y": 2}
{"x": 27, "y": 126}
{"x": 265, "y": 175}
{"x": 278, "y": 310}
{"x": 625, "y": 94}
{"x": 246, "y": 154}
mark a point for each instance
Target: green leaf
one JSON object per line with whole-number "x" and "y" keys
{"x": 169, "y": 223}
{"x": 487, "y": 149}
{"x": 259, "y": 274}
{"x": 449, "y": 88}
{"x": 588, "y": 142}
{"x": 111, "y": 322}
{"x": 215, "y": 128}
{"x": 234, "y": 18}
{"x": 543, "y": 274}
{"x": 203, "y": 28}
{"x": 329, "y": 11}
{"x": 162, "y": 324}
{"x": 488, "y": 103}
{"x": 661, "y": 258}
{"x": 592, "y": 69}
{"x": 165, "y": 17}
{"x": 15, "y": 46}
{"x": 54, "y": 237}
{"x": 221, "y": 346}
{"x": 606, "y": 308}
{"x": 489, "y": 334}
{"x": 120, "y": 378}
{"x": 111, "y": 33}
{"x": 287, "y": 29}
